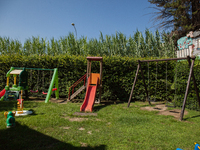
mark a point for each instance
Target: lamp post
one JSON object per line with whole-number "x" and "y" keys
{"x": 75, "y": 29}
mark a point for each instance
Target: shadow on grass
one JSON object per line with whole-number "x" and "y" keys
{"x": 104, "y": 104}
{"x": 8, "y": 105}
{"x": 191, "y": 117}
{"x": 23, "y": 137}
{"x": 12, "y": 106}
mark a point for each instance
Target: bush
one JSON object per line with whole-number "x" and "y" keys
{"x": 118, "y": 76}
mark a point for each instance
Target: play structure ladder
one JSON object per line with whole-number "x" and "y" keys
{"x": 11, "y": 95}
{"x": 77, "y": 92}
{"x": 74, "y": 94}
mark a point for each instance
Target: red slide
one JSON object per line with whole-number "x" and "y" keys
{"x": 89, "y": 97}
{"x": 2, "y": 92}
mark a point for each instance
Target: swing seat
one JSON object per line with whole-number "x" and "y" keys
{"x": 33, "y": 91}
{"x": 44, "y": 93}
{"x": 54, "y": 89}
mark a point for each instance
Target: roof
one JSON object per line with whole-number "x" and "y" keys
{"x": 193, "y": 34}
{"x": 95, "y": 58}
{"x": 16, "y": 71}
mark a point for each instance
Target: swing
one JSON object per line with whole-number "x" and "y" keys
{"x": 54, "y": 89}
{"x": 32, "y": 91}
{"x": 149, "y": 99}
{"x": 167, "y": 105}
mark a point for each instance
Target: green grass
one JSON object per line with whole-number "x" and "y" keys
{"x": 114, "y": 127}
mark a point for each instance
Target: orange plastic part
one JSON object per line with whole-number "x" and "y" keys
{"x": 93, "y": 78}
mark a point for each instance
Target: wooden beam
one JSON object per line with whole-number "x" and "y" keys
{"x": 194, "y": 81}
{"x": 186, "y": 92}
{"x": 138, "y": 68}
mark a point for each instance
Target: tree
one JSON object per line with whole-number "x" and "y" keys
{"x": 180, "y": 15}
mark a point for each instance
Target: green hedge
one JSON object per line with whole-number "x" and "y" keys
{"x": 118, "y": 76}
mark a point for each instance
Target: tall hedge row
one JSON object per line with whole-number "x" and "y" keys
{"x": 165, "y": 80}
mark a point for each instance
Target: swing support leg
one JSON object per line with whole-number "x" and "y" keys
{"x": 138, "y": 68}
{"x": 54, "y": 80}
{"x": 187, "y": 89}
{"x": 133, "y": 85}
{"x": 194, "y": 81}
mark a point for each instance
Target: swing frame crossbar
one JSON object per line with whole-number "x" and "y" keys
{"x": 34, "y": 68}
{"x": 191, "y": 75}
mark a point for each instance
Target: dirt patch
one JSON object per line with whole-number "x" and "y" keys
{"x": 158, "y": 107}
{"x": 84, "y": 114}
{"x": 53, "y": 100}
{"x": 76, "y": 119}
{"x": 65, "y": 127}
{"x": 163, "y": 110}
{"x": 83, "y": 144}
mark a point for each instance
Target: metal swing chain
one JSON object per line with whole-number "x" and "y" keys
{"x": 156, "y": 80}
{"x": 38, "y": 80}
{"x": 43, "y": 81}
{"x": 166, "y": 80}
{"x": 175, "y": 82}
{"x": 31, "y": 76}
{"x": 148, "y": 81}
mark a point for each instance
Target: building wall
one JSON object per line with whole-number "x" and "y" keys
{"x": 196, "y": 42}
{"x": 184, "y": 52}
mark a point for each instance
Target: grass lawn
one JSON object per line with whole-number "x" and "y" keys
{"x": 54, "y": 126}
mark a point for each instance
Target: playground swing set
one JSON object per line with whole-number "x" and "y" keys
{"x": 173, "y": 85}
{"x": 16, "y": 91}
{"x": 191, "y": 75}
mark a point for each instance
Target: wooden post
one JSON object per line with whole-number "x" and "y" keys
{"x": 187, "y": 89}
{"x": 100, "y": 85}
{"x": 138, "y": 68}
{"x": 88, "y": 63}
{"x": 194, "y": 80}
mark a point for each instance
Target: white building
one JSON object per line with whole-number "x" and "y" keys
{"x": 189, "y": 45}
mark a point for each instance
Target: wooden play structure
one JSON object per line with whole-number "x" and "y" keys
{"x": 189, "y": 45}
{"x": 15, "y": 91}
{"x": 191, "y": 75}
{"x": 94, "y": 82}
{"x": 91, "y": 81}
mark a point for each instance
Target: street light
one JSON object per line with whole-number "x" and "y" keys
{"x": 75, "y": 29}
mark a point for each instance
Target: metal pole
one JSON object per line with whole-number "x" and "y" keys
{"x": 74, "y": 29}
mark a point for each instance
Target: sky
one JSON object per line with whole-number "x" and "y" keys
{"x": 22, "y": 19}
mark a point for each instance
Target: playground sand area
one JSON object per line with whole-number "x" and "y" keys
{"x": 163, "y": 110}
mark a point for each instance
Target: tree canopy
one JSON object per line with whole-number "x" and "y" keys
{"x": 180, "y": 15}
